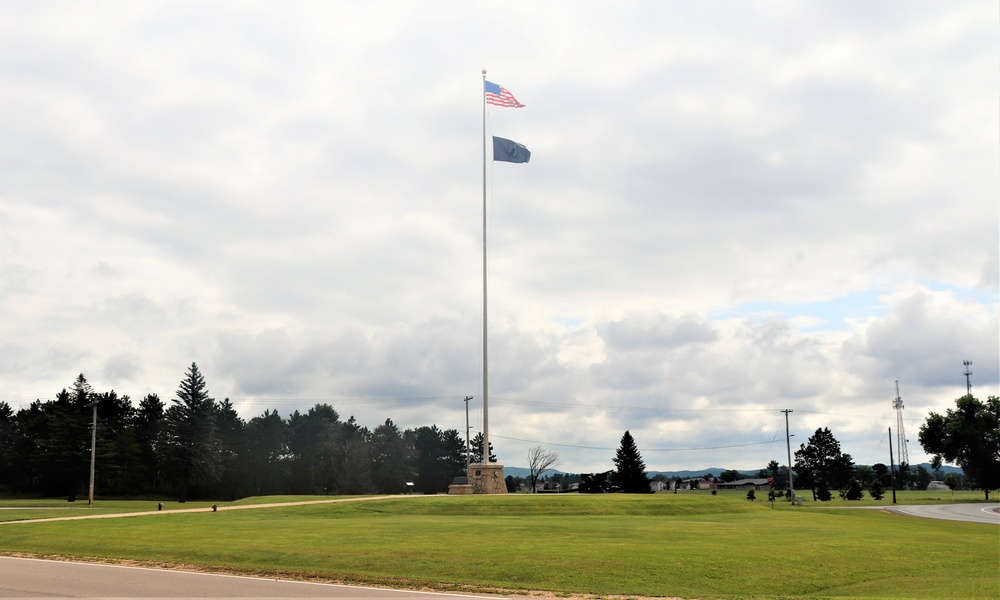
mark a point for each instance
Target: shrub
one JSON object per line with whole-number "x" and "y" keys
{"x": 854, "y": 491}
{"x": 876, "y": 490}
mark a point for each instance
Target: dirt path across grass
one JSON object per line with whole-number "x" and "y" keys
{"x": 214, "y": 509}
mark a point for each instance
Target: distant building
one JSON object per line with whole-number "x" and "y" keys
{"x": 937, "y": 485}
{"x": 744, "y": 484}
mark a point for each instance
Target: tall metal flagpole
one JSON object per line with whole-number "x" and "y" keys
{"x": 486, "y": 376}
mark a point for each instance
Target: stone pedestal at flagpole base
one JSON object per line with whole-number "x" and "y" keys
{"x": 487, "y": 478}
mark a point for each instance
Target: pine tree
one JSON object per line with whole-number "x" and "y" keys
{"x": 876, "y": 489}
{"x": 630, "y": 472}
{"x": 476, "y": 450}
{"x": 189, "y": 442}
{"x": 391, "y": 467}
{"x": 853, "y": 491}
{"x": 147, "y": 422}
{"x": 820, "y": 465}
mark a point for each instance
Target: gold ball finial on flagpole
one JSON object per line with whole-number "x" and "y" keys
{"x": 484, "y": 71}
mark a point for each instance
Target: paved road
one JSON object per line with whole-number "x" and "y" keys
{"x": 31, "y": 578}
{"x": 972, "y": 513}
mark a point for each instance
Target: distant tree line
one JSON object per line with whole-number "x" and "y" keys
{"x": 197, "y": 447}
{"x": 969, "y": 435}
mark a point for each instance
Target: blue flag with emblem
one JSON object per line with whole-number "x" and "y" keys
{"x": 509, "y": 151}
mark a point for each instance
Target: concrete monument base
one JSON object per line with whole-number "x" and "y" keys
{"x": 487, "y": 478}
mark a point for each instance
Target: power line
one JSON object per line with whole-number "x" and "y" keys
{"x": 678, "y": 410}
{"x": 880, "y": 442}
{"x": 641, "y": 449}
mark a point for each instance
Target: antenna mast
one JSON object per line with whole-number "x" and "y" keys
{"x": 900, "y": 434}
{"x": 968, "y": 375}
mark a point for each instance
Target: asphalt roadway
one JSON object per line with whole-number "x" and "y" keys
{"x": 971, "y": 513}
{"x": 32, "y": 578}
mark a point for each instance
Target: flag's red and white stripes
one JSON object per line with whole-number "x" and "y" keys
{"x": 499, "y": 96}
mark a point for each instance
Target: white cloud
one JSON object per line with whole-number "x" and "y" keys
{"x": 781, "y": 205}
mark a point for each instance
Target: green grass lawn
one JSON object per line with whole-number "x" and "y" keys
{"x": 688, "y": 545}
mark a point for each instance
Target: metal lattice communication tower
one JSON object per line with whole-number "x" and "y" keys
{"x": 968, "y": 376}
{"x": 897, "y": 403}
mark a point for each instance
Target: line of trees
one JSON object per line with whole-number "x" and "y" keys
{"x": 968, "y": 435}
{"x": 822, "y": 467}
{"x": 198, "y": 447}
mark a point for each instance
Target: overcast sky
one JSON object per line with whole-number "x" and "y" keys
{"x": 731, "y": 208}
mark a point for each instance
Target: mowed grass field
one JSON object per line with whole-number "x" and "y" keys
{"x": 683, "y": 545}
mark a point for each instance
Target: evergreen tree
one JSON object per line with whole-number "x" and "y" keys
{"x": 882, "y": 474}
{"x": 821, "y": 465}
{"x": 476, "y": 450}
{"x": 822, "y": 492}
{"x": 853, "y": 491}
{"x": 312, "y": 441}
{"x": 921, "y": 478}
{"x": 391, "y": 462}
{"x": 513, "y": 483}
{"x": 232, "y": 445}
{"x": 61, "y": 439}
{"x": 147, "y": 423}
{"x": 8, "y": 434}
{"x": 267, "y": 456}
{"x": 189, "y": 443}
{"x": 629, "y": 475}
{"x": 903, "y": 476}
{"x": 352, "y": 459}
{"x": 876, "y": 490}
{"x": 438, "y": 456}
{"x": 118, "y": 451}
{"x": 29, "y": 426}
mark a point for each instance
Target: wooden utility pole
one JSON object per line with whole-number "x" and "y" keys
{"x": 788, "y": 445}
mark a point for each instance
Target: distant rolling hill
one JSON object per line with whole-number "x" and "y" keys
{"x": 715, "y": 471}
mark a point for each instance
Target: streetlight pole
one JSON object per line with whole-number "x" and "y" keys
{"x": 467, "y": 446}
{"x": 93, "y": 454}
{"x": 788, "y": 445}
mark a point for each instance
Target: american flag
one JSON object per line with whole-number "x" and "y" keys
{"x": 499, "y": 96}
